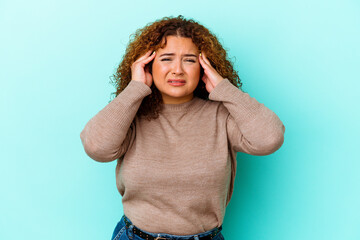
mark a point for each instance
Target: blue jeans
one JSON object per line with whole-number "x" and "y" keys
{"x": 121, "y": 232}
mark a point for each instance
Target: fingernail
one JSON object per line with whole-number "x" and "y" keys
{"x": 200, "y": 54}
{"x": 153, "y": 53}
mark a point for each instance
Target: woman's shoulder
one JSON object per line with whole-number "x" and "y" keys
{"x": 208, "y": 105}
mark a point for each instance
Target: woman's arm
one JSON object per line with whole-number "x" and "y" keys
{"x": 252, "y": 128}
{"x": 108, "y": 134}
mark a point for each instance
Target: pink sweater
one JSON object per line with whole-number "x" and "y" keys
{"x": 176, "y": 173}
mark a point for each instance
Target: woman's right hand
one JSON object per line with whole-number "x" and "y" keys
{"x": 139, "y": 71}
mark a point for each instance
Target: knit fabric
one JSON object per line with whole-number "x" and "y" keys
{"x": 176, "y": 173}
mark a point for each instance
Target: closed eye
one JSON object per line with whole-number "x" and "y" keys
{"x": 186, "y": 60}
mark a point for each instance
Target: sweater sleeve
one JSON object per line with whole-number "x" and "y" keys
{"x": 251, "y": 127}
{"x": 108, "y": 134}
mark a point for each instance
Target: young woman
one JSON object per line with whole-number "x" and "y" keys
{"x": 177, "y": 121}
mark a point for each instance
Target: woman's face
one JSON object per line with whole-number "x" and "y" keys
{"x": 176, "y": 70}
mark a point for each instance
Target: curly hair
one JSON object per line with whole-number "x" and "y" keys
{"x": 151, "y": 37}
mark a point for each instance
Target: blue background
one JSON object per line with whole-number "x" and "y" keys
{"x": 299, "y": 58}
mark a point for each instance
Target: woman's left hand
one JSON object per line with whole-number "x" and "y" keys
{"x": 211, "y": 77}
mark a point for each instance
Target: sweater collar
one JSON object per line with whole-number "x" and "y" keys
{"x": 195, "y": 101}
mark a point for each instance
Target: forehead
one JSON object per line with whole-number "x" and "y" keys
{"x": 178, "y": 44}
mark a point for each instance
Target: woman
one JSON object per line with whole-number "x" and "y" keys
{"x": 175, "y": 126}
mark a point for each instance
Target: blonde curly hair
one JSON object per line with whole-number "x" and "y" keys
{"x": 150, "y": 38}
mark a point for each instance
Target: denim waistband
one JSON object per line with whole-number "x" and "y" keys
{"x": 213, "y": 232}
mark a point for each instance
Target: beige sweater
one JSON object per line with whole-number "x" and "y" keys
{"x": 176, "y": 173}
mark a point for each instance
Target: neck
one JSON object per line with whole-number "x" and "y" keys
{"x": 177, "y": 100}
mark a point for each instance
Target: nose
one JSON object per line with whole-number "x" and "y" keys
{"x": 177, "y": 68}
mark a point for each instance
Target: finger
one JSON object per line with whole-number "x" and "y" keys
{"x": 150, "y": 58}
{"x": 147, "y": 59}
{"x": 205, "y": 80}
{"x": 146, "y": 68}
{"x": 143, "y": 56}
{"x": 205, "y": 58}
{"x": 202, "y": 62}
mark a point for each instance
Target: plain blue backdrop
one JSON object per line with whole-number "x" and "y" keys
{"x": 299, "y": 58}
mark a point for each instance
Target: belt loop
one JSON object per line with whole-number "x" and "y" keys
{"x": 196, "y": 237}
{"x": 131, "y": 232}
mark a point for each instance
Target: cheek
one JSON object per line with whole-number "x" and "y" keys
{"x": 158, "y": 69}
{"x": 194, "y": 71}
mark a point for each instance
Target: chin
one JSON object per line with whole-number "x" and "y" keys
{"x": 177, "y": 93}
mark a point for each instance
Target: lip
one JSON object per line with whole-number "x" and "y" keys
{"x": 176, "y": 82}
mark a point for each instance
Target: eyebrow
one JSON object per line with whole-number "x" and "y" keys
{"x": 173, "y": 54}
